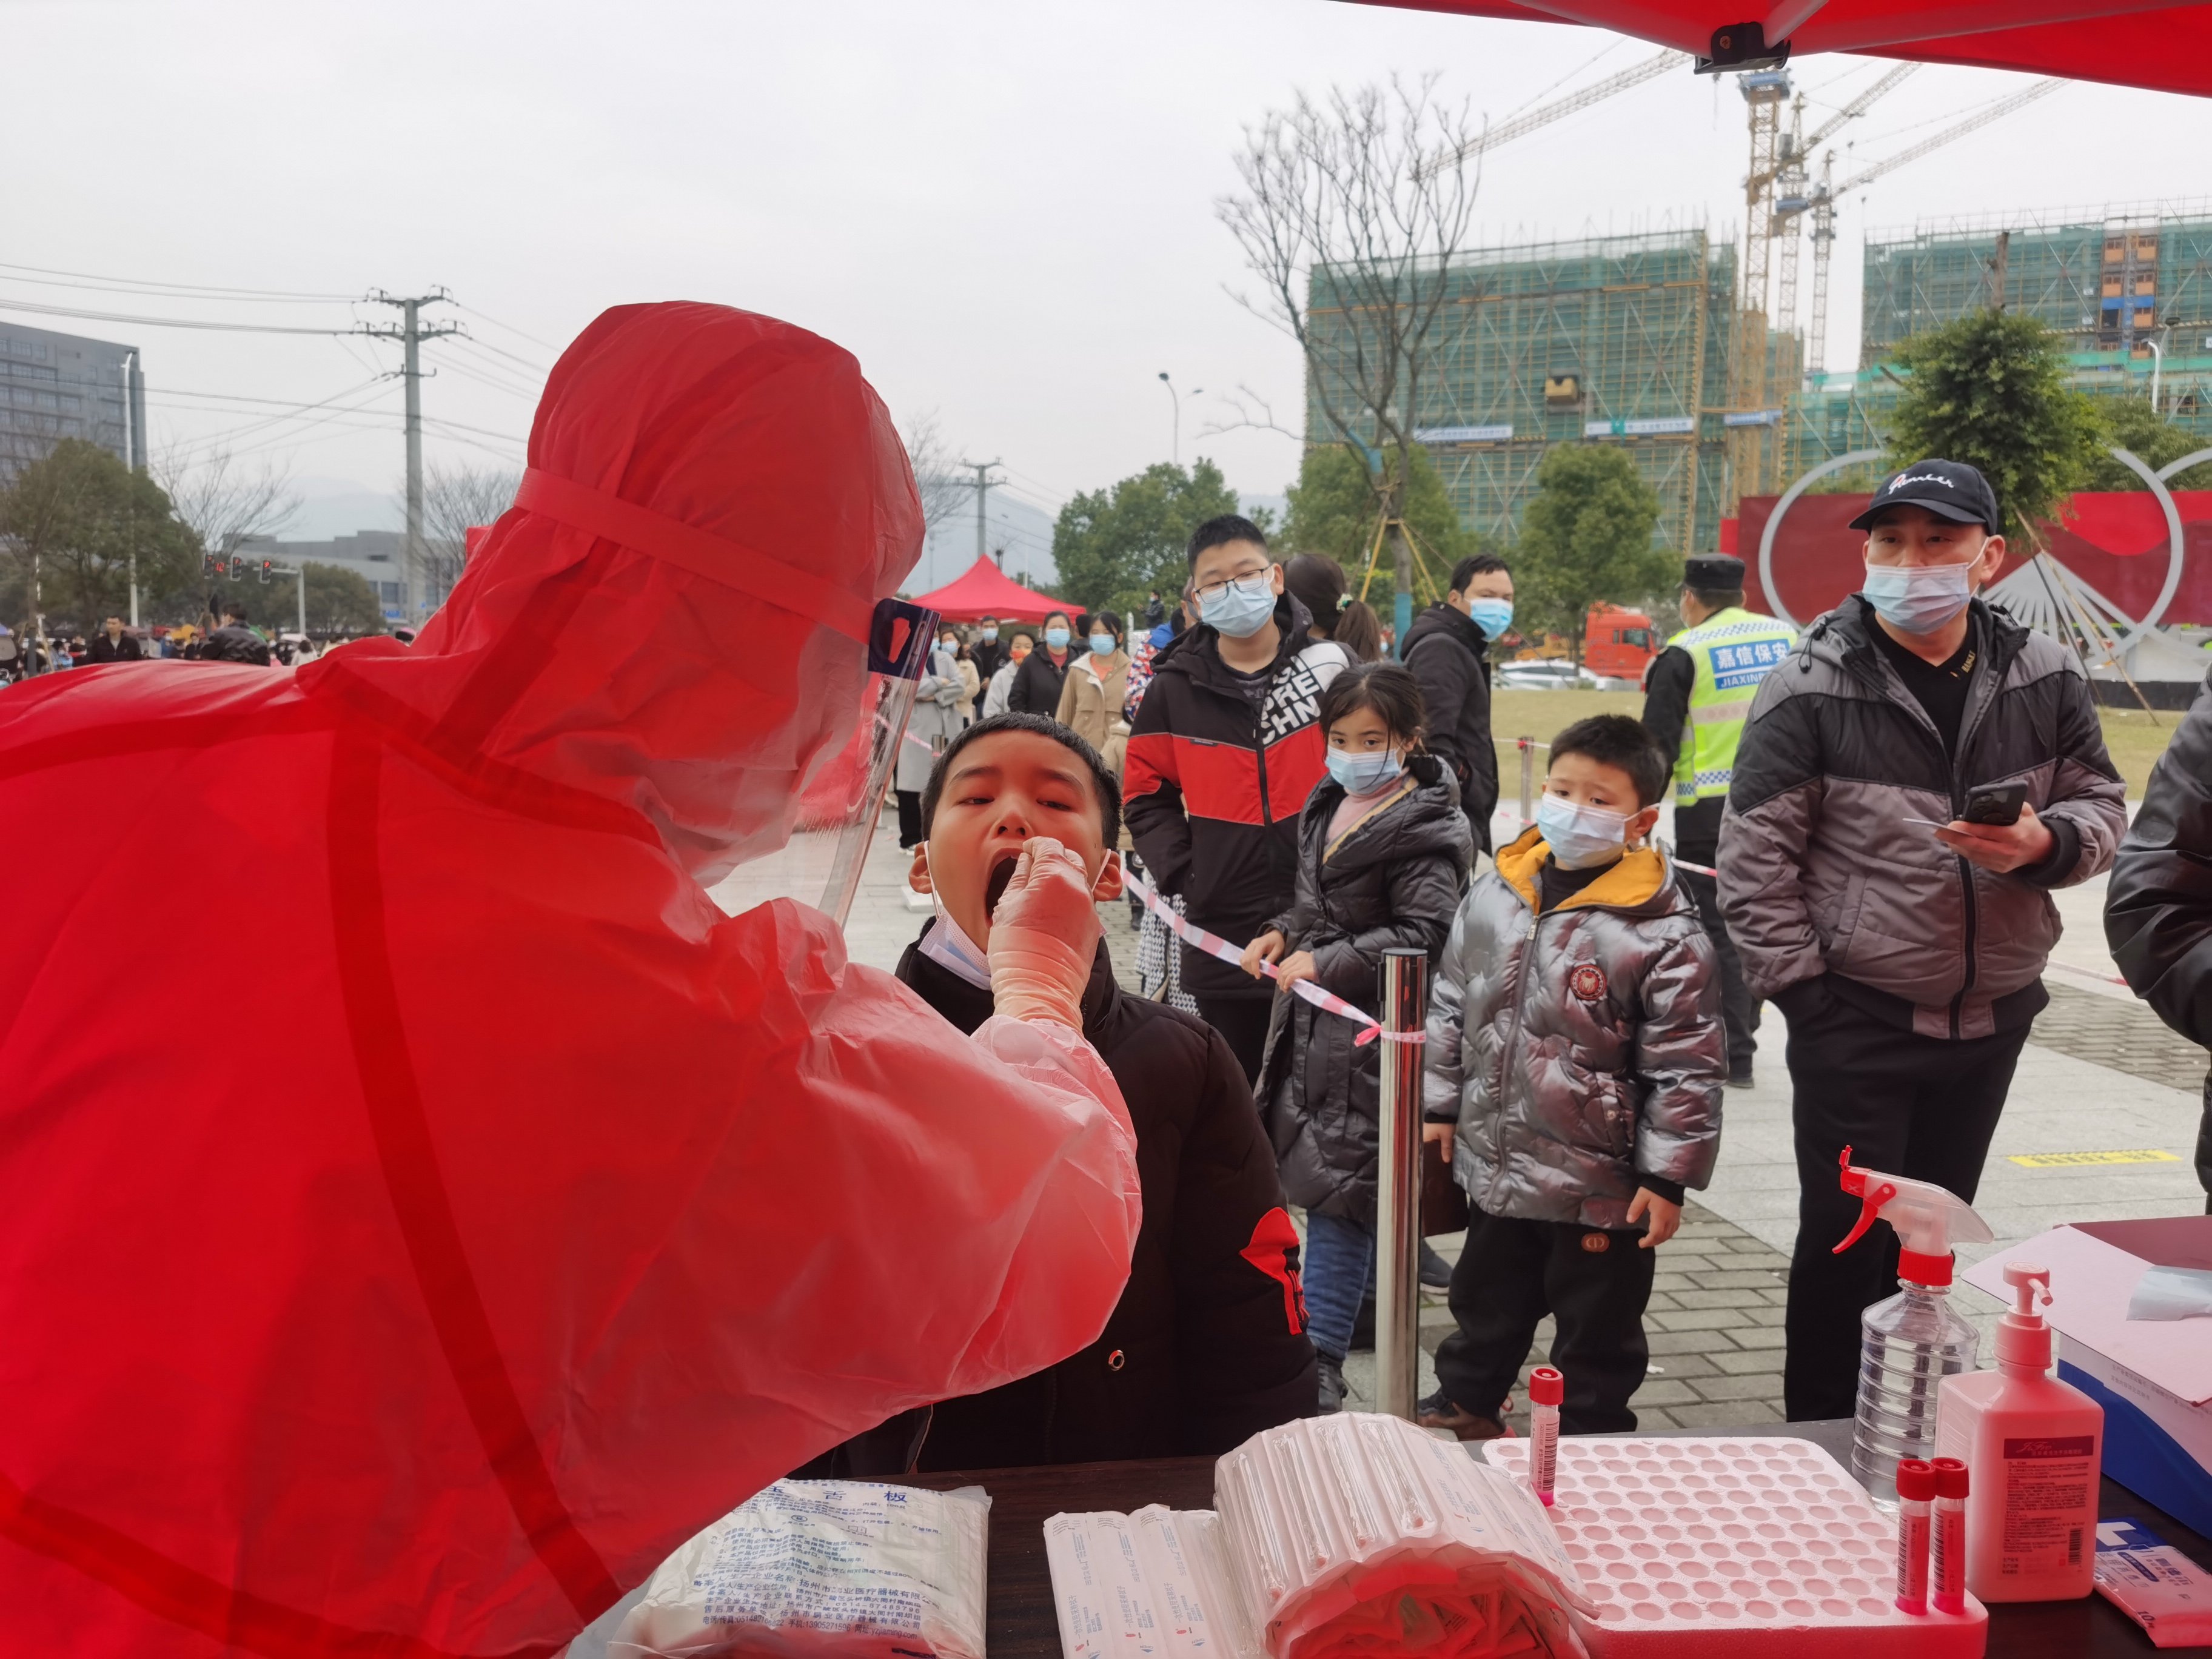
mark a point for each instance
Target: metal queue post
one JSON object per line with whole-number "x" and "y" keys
{"x": 1398, "y": 1208}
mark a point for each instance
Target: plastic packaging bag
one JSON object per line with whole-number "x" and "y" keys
{"x": 812, "y": 1568}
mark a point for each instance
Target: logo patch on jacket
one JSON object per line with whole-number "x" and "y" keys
{"x": 1597, "y": 1244}
{"x": 1588, "y": 982}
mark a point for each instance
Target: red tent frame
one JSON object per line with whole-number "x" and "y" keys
{"x": 2163, "y": 48}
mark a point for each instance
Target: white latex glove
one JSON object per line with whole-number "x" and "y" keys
{"x": 1044, "y": 937}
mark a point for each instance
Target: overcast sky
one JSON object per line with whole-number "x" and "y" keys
{"x": 1006, "y": 210}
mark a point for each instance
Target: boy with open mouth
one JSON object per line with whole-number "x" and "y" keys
{"x": 1208, "y": 1346}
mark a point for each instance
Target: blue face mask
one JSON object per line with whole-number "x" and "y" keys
{"x": 1580, "y": 836}
{"x": 1056, "y": 638}
{"x": 1492, "y": 617}
{"x": 1242, "y": 608}
{"x": 1363, "y": 774}
{"x": 1918, "y": 598}
{"x": 1102, "y": 645}
{"x": 990, "y": 636}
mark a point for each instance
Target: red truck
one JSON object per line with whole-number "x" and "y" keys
{"x": 1619, "y": 644}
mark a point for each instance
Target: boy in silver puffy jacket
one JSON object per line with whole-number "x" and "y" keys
{"x": 1576, "y": 1061}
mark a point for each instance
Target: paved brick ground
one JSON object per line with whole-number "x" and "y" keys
{"x": 1715, "y": 1326}
{"x": 2123, "y": 1035}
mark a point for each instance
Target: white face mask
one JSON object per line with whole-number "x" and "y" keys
{"x": 1918, "y": 598}
{"x": 947, "y": 944}
{"x": 1581, "y": 837}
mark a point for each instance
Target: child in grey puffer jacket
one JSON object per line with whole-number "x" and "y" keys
{"x": 1576, "y": 1057}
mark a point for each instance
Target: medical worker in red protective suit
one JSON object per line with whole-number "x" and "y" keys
{"x": 585, "y": 1211}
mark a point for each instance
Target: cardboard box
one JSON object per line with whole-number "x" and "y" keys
{"x": 2154, "y": 1377}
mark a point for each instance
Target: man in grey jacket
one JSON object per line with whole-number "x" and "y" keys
{"x": 1906, "y": 956}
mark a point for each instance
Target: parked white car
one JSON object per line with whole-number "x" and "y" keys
{"x": 1544, "y": 676}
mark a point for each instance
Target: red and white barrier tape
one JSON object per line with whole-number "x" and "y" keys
{"x": 1214, "y": 946}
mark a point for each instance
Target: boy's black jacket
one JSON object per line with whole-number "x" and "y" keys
{"x": 1208, "y": 1346}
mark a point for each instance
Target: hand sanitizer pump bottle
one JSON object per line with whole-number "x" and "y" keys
{"x": 2035, "y": 1447}
{"x": 1915, "y": 1338}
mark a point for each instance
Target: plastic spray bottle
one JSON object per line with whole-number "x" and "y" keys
{"x": 2036, "y": 1446}
{"x": 1913, "y": 1340}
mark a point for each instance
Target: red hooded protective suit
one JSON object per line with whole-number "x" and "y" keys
{"x": 403, "y": 1254}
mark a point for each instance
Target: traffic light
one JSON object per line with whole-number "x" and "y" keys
{"x": 266, "y": 563}
{"x": 210, "y": 565}
{"x": 237, "y": 567}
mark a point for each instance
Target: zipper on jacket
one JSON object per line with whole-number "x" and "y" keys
{"x": 1512, "y": 1029}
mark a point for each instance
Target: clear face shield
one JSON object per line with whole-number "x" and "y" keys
{"x": 828, "y": 852}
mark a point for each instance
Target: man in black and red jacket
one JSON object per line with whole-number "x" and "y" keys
{"x": 1226, "y": 747}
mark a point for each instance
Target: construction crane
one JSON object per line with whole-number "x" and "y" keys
{"x": 1773, "y": 181}
{"x": 1822, "y": 202}
{"x": 1791, "y": 196}
{"x": 1597, "y": 93}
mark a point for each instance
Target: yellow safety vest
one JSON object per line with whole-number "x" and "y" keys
{"x": 1732, "y": 650}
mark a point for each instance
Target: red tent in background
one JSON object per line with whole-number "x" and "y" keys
{"x": 2167, "y": 48}
{"x": 984, "y": 590}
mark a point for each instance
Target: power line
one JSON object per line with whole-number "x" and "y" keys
{"x": 165, "y": 322}
{"x": 182, "y": 290}
{"x": 547, "y": 344}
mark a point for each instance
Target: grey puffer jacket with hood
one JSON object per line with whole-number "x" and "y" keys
{"x": 1393, "y": 880}
{"x": 1819, "y": 875}
{"x": 1579, "y": 1051}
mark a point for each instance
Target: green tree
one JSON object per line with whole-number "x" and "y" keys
{"x": 341, "y": 603}
{"x": 1990, "y": 389}
{"x": 2133, "y": 425}
{"x": 1113, "y": 546}
{"x": 1586, "y": 535}
{"x": 76, "y": 523}
{"x": 1336, "y": 503}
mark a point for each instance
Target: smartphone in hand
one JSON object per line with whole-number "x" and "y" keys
{"x": 2000, "y": 803}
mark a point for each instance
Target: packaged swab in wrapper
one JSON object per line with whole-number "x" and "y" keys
{"x": 823, "y": 1570}
{"x": 1334, "y": 1538}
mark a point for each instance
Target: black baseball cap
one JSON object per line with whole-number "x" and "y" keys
{"x": 1949, "y": 489}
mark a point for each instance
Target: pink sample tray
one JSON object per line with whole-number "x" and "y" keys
{"x": 1734, "y": 1544}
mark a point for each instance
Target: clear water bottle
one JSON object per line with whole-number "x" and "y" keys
{"x": 1914, "y": 1340}
{"x": 1910, "y": 1344}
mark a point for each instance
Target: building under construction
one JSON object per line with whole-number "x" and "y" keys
{"x": 1613, "y": 339}
{"x": 2130, "y": 290}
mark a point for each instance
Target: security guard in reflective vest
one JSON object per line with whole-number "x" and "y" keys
{"x": 1697, "y": 694}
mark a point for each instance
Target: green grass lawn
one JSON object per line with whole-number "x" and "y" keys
{"x": 2135, "y": 737}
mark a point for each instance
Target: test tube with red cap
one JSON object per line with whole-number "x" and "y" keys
{"x": 1948, "y": 1550}
{"x": 1547, "y": 1387}
{"x": 1915, "y": 1490}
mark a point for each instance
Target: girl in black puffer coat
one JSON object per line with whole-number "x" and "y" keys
{"x": 1383, "y": 854}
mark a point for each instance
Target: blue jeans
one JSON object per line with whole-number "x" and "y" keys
{"x": 1339, "y": 1275}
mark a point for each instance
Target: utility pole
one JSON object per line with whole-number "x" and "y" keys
{"x": 984, "y": 483}
{"x": 410, "y": 334}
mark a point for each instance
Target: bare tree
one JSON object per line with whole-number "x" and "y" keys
{"x": 223, "y": 502}
{"x": 455, "y": 500}
{"x": 945, "y": 494}
{"x": 1352, "y": 210}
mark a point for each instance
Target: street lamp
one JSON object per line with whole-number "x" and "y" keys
{"x": 1174, "y": 400}
{"x": 2157, "y": 365}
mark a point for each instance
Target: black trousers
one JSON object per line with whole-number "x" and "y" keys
{"x": 1906, "y": 1104}
{"x": 1242, "y": 1023}
{"x": 1739, "y": 1008}
{"x": 1593, "y": 1283}
{"x": 909, "y": 806}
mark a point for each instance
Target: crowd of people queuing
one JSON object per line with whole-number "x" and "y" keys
{"x": 1251, "y": 754}
{"x": 229, "y": 637}
{"x": 1273, "y": 777}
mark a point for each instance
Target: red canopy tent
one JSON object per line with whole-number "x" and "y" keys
{"x": 2166, "y": 48}
{"x": 984, "y": 590}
